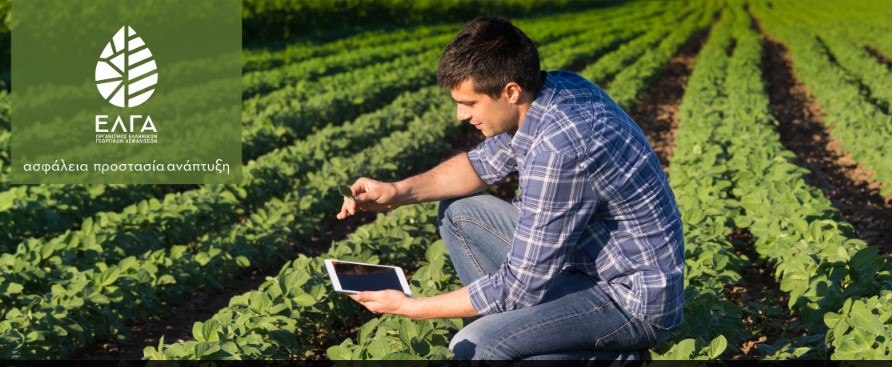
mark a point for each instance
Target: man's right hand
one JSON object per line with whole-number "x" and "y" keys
{"x": 369, "y": 195}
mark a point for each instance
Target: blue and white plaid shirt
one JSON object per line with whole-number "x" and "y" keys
{"x": 593, "y": 198}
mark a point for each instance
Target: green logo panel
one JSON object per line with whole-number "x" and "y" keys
{"x": 126, "y": 91}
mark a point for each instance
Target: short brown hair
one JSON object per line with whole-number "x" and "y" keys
{"x": 494, "y": 53}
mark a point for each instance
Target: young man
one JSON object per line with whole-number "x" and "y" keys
{"x": 588, "y": 262}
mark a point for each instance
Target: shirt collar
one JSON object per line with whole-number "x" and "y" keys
{"x": 523, "y": 139}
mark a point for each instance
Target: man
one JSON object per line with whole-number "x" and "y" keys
{"x": 588, "y": 262}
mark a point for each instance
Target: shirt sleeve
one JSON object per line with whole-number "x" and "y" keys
{"x": 493, "y": 159}
{"x": 557, "y": 203}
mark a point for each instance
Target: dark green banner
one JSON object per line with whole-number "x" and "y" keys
{"x": 126, "y": 91}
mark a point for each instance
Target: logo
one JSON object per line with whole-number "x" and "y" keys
{"x": 126, "y": 73}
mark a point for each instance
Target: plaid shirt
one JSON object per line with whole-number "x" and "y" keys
{"x": 593, "y": 198}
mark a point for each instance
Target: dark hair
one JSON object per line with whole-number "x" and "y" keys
{"x": 494, "y": 53}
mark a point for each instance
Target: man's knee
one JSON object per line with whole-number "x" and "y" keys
{"x": 480, "y": 343}
{"x": 442, "y": 211}
{"x": 463, "y": 206}
{"x": 465, "y": 344}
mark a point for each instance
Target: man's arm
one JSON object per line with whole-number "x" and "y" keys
{"x": 452, "y": 178}
{"x": 447, "y": 305}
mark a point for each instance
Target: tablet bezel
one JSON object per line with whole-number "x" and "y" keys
{"x": 336, "y": 282}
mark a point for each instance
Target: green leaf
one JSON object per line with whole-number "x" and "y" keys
{"x": 13, "y": 288}
{"x": 339, "y": 353}
{"x": 305, "y": 300}
{"x": 402, "y": 356}
{"x": 379, "y": 348}
{"x": 205, "y": 349}
{"x": 345, "y": 191}
{"x": 365, "y": 331}
{"x": 683, "y": 349}
{"x": 717, "y": 346}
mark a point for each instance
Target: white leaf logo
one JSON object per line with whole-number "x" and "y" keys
{"x": 126, "y": 73}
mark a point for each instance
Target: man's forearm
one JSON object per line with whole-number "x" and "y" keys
{"x": 450, "y": 179}
{"x": 447, "y": 305}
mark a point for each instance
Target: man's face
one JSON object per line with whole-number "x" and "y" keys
{"x": 490, "y": 116}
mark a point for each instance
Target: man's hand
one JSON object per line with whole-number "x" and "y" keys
{"x": 369, "y": 195}
{"x": 386, "y": 301}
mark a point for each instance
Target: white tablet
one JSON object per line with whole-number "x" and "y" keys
{"x": 354, "y": 277}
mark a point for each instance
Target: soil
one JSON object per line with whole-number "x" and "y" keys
{"x": 839, "y": 177}
{"x": 657, "y": 113}
{"x": 763, "y": 304}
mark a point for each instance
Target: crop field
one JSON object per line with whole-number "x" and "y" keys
{"x": 771, "y": 119}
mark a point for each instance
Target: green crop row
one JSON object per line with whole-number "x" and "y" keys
{"x": 293, "y": 112}
{"x": 264, "y": 81}
{"x": 42, "y": 211}
{"x": 699, "y": 177}
{"x": 602, "y": 71}
{"x": 862, "y": 67}
{"x": 295, "y": 314}
{"x": 613, "y": 31}
{"x": 857, "y": 62}
{"x": 865, "y": 22}
{"x": 277, "y": 19}
{"x": 633, "y": 80}
{"x": 272, "y": 56}
{"x": 860, "y": 126}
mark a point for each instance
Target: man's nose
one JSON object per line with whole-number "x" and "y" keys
{"x": 462, "y": 114}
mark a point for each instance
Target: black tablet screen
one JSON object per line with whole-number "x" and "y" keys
{"x": 359, "y": 277}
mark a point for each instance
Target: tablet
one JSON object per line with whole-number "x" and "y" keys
{"x": 354, "y": 277}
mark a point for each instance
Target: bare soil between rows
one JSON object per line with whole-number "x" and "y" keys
{"x": 839, "y": 177}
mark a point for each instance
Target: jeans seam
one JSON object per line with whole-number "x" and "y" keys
{"x": 547, "y": 322}
{"x": 601, "y": 339}
{"x": 467, "y": 249}
{"x": 483, "y": 225}
{"x": 651, "y": 339}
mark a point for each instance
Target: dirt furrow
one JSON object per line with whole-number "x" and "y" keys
{"x": 657, "y": 113}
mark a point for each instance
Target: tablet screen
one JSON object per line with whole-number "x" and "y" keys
{"x": 364, "y": 277}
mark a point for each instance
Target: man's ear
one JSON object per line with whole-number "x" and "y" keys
{"x": 513, "y": 91}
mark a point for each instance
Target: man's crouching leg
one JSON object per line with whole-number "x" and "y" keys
{"x": 577, "y": 320}
{"x": 477, "y": 231}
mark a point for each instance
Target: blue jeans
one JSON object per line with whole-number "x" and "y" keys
{"x": 576, "y": 320}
